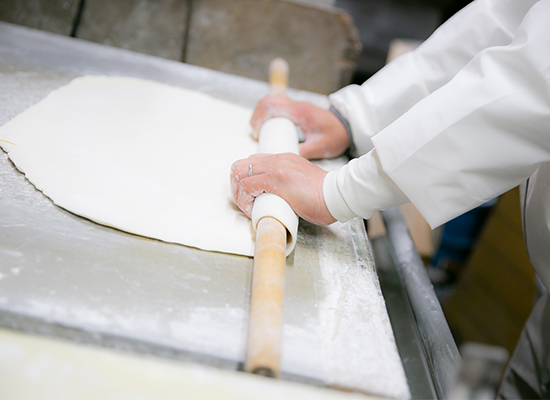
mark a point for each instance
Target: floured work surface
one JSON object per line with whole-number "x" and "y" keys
{"x": 64, "y": 275}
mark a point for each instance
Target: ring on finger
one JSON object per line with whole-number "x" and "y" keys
{"x": 250, "y": 172}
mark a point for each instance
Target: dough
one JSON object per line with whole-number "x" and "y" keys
{"x": 277, "y": 135}
{"x": 139, "y": 156}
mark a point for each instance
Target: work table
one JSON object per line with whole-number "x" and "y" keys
{"x": 65, "y": 276}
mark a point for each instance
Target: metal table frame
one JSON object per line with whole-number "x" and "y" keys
{"x": 410, "y": 296}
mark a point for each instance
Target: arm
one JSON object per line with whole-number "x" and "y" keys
{"x": 480, "y": 134}
{"x": 404, "y": 82}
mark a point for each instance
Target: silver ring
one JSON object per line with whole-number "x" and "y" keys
{"x": 250, "y": 172}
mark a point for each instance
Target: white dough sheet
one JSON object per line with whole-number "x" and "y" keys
{"x": 140, "y": 156}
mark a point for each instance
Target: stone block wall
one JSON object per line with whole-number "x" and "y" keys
{"x": 57, "y": 16}
{"x": 151, "y": 27}
{"x": 235, "y": 36}
{"x": 242, "y": 36}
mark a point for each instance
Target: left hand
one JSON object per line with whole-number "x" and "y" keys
{"x": 325, "y": 136}
{"x": 291, "y": 177}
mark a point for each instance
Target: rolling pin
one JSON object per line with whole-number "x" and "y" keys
{"x": 265, "y": 325}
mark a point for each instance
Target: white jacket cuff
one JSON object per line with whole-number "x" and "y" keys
{"x": 360, "y": 188}
{"x": 333, "y": 198}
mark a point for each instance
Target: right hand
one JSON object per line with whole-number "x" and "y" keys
{"x": 325, "y": 136}
{"x": 298, "y": 181}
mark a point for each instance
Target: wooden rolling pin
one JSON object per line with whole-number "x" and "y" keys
{"x": 265, "y": 326}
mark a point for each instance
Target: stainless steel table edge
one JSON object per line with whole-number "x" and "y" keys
{"x": 431, "y": 357}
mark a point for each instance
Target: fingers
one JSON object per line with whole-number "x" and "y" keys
{"x": 249, "y": 189}
{"x": 240, "y": 169}
{"x": 258, "y": 156}
{"x": 278, "y": 105}
{"x": 245, "y": 187}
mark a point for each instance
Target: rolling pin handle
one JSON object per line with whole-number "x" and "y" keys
{"x": 278, "y": 75}
{"x": 265, "y": 325}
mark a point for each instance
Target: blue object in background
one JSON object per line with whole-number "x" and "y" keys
{"x": 460, "y": 234}
{"x": 457, "y": 241}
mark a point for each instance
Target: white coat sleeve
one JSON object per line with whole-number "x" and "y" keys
{"x": 408, "y": 79}
{"x": 475, "y": 137}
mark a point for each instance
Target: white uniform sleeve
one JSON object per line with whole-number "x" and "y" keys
{"x": 408, "y": 79}
{"x": 475, "y": 137}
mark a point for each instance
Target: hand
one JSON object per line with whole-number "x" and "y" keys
{"x": 289, "y": 176}
{"x": 325, "y": 136}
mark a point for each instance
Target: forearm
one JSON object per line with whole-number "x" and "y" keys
{"x": 479, "y": 135}
{"x": 410, "y": 78}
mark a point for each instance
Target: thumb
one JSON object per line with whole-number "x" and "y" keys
{"x": 311, "y": 149}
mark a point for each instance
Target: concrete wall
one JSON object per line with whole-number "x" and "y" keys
{"x": 151, "y": 27}
{"x": 57, "y": 16}
{"x": 242, "y": 36}
{"x": 235, "y": 36}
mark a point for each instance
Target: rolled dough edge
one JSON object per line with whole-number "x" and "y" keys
{"x": 271, "y": 205}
